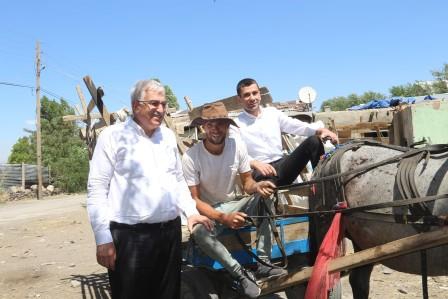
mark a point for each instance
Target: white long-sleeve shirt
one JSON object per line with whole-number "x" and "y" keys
{"x": 262, "y": 133}
{"x": 134, "y": 178}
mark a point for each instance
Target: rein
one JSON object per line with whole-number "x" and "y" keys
{"x": 375, "y": 206}
{"x": 408, "y": 161}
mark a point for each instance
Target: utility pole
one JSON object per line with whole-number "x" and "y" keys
{"x": 38, "y": 137}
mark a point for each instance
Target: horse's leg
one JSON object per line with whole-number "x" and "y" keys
{"x": 360, "y": 279}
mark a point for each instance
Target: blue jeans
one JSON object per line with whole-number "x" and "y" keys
{"x": 210, "y": 245}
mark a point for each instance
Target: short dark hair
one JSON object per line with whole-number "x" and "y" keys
{"x": 243, "y": 83}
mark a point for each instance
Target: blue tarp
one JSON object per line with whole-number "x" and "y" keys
{"x": 384, "y": 103}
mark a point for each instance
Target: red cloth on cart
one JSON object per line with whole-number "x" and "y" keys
{"x": 321, "y": 280}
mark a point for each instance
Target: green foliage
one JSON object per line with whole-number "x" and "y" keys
{"x": 439, "y": 85}
{"x": 410, "y": 90}
{"x": 170, "y": 96}
{"x": 23, "y": 151}
{"x": 441, "y": 74}
{"x": 342, "y": 103}
{"x": 62, "y": 149}
{"x": 441, "y": 80}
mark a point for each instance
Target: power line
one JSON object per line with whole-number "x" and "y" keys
{"x": 46, "y": 91}
{"x": 16, "y": 85}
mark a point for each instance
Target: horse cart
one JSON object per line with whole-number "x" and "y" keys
{"x": 397, "y": 214}
{"x": 397, "y": 211}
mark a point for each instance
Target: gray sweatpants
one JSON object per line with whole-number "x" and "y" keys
{"x": 208, "y": 242}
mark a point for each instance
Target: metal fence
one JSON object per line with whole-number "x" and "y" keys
{"x": 21, "y": 175}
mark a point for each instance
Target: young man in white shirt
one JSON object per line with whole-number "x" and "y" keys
{"x": 261, "y": 128}
{"x": 210, "y": 169}
{"x": 136, "y": 192}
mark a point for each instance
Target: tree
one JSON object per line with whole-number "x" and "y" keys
{"x": 438, "y": 85}
{"x": 342, "y": 103}
{"x": 441, "y": 80}
{"x": 62, "y": 149}
{"x": 23, "y": 151}
{"x": 410, "y": 90}
{"x": 170, "y": 96}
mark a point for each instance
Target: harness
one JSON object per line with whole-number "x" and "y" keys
{"x": 329, "y": 171}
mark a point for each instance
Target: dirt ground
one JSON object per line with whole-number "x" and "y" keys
{"x": 47, "y": 250}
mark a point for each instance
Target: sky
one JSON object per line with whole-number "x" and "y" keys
{"x": 202, "y": 48}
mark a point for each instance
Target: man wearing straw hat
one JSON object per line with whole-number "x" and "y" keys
{"x": 210, "y": 169}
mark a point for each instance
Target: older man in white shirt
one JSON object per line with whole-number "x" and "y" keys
{"x": 261, "y": 128}
{"x": 136, "y": 192}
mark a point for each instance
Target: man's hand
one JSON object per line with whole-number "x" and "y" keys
{"x": 265, "y": 188}
{"x": 106, "y": 255}
{"x": 199, "y": 219}
{"x": 234, "y": 220}
{"x": 264, "y": 168}
{"x": 324, "y": 133}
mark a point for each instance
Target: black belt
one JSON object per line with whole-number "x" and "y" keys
{"x": 144, "y": 226}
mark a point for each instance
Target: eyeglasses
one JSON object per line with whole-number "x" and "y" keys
{"x": 154, "y": 103}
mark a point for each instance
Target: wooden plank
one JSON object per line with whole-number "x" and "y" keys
{"x": 81, "y": 99}
{"x": 369, "y": 256}
{"x": 191, "y": 108}
{"x": 97, "y": 94}
{"x": 81, "y": 117}
{"x": 169, "y": 123}
{"x": 292, "y": 209}
{"x": 292, "y": 232}
{"x": 365, "y": 125}
{"x": 232, "y": 104}
{"x": 90, "y": 106}
{"x": 188, "y": 102}
{"x": 341, "y": 118}
{"x": 304, "y": 190}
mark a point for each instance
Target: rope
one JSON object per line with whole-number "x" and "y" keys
{"x": 389, "y": 204}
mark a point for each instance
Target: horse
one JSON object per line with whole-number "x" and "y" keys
{"x": 365, "y": 173}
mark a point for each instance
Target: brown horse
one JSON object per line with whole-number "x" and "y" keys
{"x": 371, "y": 173}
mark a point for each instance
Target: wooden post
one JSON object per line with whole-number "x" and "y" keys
{"x": 97, "y": 95}
{"x": 169, "y": 124}
{"x": 188, "y": 102}
{"x": 38, "y": 136}
{"x": 190, "y": 108}
{"x": 87, "y": 120}
{"x": 368, "y": 256}
{"x": 82, "y": 99}
{"x": 23, "y": 176}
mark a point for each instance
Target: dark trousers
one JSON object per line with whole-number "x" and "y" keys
{"x": 148, "y": 261}
{"x": 289, "y": 167}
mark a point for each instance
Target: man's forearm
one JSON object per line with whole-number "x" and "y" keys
{"x": 207, "y": 210}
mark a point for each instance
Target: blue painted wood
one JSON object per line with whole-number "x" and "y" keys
{"x": 299, "y": 246}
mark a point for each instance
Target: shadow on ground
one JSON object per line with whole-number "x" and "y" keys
{"x": 93, "y": 286}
